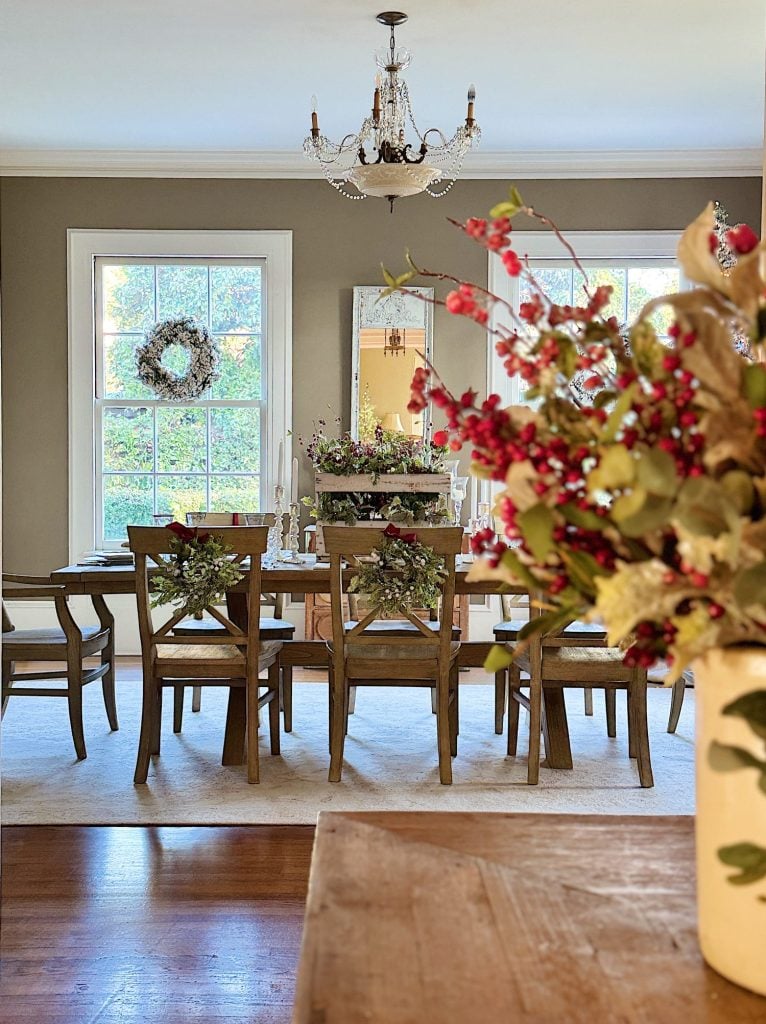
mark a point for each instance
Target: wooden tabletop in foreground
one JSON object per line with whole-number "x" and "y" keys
{"x": 451, "y": 918}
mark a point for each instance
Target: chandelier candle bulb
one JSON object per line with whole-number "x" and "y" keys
{"x": 471, "y": 101}
{"x": 314, "y": 118}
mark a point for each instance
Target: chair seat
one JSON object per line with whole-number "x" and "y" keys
{"x": 176, "y": 656}
{"x": 51, "y": 636}
{"x": 269, "y": 628}
{"x": 399, "y": 628}
{"x": 508, "y": 631}
{"x": 582, "y": 665}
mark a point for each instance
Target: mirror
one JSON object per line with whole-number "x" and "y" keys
{"x": 391, "y": 337}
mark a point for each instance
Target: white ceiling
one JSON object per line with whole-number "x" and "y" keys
{"x": 552, "y": 76}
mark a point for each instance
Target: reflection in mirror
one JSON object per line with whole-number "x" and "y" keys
{"x": 392, "y": 337}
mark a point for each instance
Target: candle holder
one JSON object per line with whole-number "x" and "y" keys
{"x": 293, "y": 537}
{"x": 274, "y": 543}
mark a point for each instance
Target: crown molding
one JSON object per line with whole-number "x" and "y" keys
{"x": 692, "y": 163}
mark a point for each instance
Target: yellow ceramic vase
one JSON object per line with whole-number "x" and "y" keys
{"x": 730, "y": 688}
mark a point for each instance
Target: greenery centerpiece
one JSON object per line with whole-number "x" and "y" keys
{"x": 199, "y": 572}
{"x": 365, "y": 491}
{"x": 643, "y": 506}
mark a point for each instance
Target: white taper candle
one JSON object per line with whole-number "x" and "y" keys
{"x": 294, "y": 482}
{"x": 281, "y": 464}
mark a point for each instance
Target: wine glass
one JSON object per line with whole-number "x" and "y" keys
{"x": 459, "y": 491}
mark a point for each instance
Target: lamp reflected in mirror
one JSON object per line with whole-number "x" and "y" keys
{"x": 388, "y": 357}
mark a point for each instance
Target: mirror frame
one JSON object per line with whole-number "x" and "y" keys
{"x": 393, "y": 311}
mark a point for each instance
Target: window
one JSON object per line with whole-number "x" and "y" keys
{"x": 135, "y": 456}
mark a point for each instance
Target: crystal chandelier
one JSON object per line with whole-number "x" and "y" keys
{"x": 389, "y": 168}
{"x": 394, "y": 342}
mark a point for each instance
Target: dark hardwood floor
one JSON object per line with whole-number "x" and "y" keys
{"x": 151, "y": 924}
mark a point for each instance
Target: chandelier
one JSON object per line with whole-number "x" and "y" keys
{"x": 389, "y": 167}
{"x": 394, "y": 342}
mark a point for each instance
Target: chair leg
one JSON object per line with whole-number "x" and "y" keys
{"x": 453, "y": 709}
{"x": 7, "y": 674}
{"x": 287, "y": 696}
{"x": 107, "y": 685}
{"x": 337, "y": 725}
{"x": 588, "y": 695}
{"x": 631, "y": 726}
{"x": 74, "y": 699}
{"x": 157, "y": 734}
{"x": 501, "y": 689}
{"x": 196, "y": 698}
{"x": 274, "y": 675}
{"x": 178, "y": 707}
{"x": 535, "y": 728}
{"x": 641, "y": 728}
{"x": 442, "y": 727}
{"x": 148, "y": 711}
{"x": 610, "y": 696}
{"x": 676, "y": 703}
{"x": 514, "y": 684}
{"x": 252, "y": 723}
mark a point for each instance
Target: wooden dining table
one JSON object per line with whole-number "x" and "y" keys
{"x": 312, "y": 576}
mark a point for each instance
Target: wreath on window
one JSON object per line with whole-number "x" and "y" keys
{"x": 401, "y": 573}
{"x": 204, "y": 356}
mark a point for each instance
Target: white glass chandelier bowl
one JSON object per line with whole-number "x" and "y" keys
{"x": 393, "y": 180}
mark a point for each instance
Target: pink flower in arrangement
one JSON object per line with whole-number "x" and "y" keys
{"x": 742, "y": 239}
{"x": 512, "y": 263}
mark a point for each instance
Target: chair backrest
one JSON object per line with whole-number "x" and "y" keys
{"x": 352, "y": 543}
{"x": 152, "y": 546}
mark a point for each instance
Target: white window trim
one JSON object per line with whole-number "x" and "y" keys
{"x": 83, "y": 246}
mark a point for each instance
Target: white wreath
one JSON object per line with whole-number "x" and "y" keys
{"x": 203, "y": 363}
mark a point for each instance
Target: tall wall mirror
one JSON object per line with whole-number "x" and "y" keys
{"x": 392, "y": 336}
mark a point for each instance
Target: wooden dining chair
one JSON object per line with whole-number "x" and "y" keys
{"x": 234, "y": 659}
{"x": 411, "y": 651}
{"x": 272, "y": 627}
{"x": 67, "y": 643}
{"x": 557, "y": 661}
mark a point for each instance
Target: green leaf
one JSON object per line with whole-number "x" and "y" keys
{"x": 583, "y": 517}
{"x": 583, "y": 568}
{"x": 752, "y": 707}
{"x": 739, "y": 488}
{"x": 725, "y": 758}
{"x": 750, "y": 586}
{"x": 656, "y": 472}
{"x": 394, "y": 283}
{"x": 748, "y": 858}
{"x": 604, "y": 398}
{"x": 652, "y": 515}
{"x": 548, "y": 622}
{"x": 510, "y": 207}
{"x": 629, "y": 504}
{"x": 512, "y": 561}
{"x": 499, "y": 657}
{"x": 704, "y": 508}
{"x": 616, "y": 469}
{"x": 536, "y": 525}
{"x": 617, "y": 415}
{"x": 755, "y": 384}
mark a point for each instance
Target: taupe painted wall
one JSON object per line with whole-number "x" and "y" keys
{"x": 337, "y": 244}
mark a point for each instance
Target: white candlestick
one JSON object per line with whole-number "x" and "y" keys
{"x": 281, "y": 464}
{"x": 294, "y": 482}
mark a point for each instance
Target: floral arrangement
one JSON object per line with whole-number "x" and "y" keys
{"x": 646, "y": 508}
{"x": 354, "y": 506}
{"x": 402, "y": 573}
{"x": 389, "y": 452}
{"x": 199, "y": 573}
{"x": 203, "y": 363}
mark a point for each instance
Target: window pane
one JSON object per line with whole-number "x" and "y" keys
{"x": 236, "y": 298}
{"x": 235, "y": 444}
{"x": 120, "y": 373}
{"x": 617, "y": 282}
{"x": 181, "y": 440}
{"x": 177, "y": 495}
{"x": 128, "y": 440}
{"x": 182, "y": 291}
{"x": 235, "y": 494}
{"x": 240, "y": 367}
{"x": 556, "y": 283}
{"x": 645, "y": 283}
{"x": 128, "y": 296}
{"x": 127, "y": 500}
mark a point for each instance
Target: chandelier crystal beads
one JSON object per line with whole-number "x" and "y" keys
{"x": 377, "y": 160}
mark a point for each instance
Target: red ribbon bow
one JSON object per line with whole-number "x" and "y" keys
{"x": 187, "y": 534}
{"x": 394, "y": 532}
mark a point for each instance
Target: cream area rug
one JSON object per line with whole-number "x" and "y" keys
{"x": 390, "y": 762}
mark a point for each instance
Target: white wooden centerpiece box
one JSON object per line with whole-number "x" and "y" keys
{"x": 385, "y": 483}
